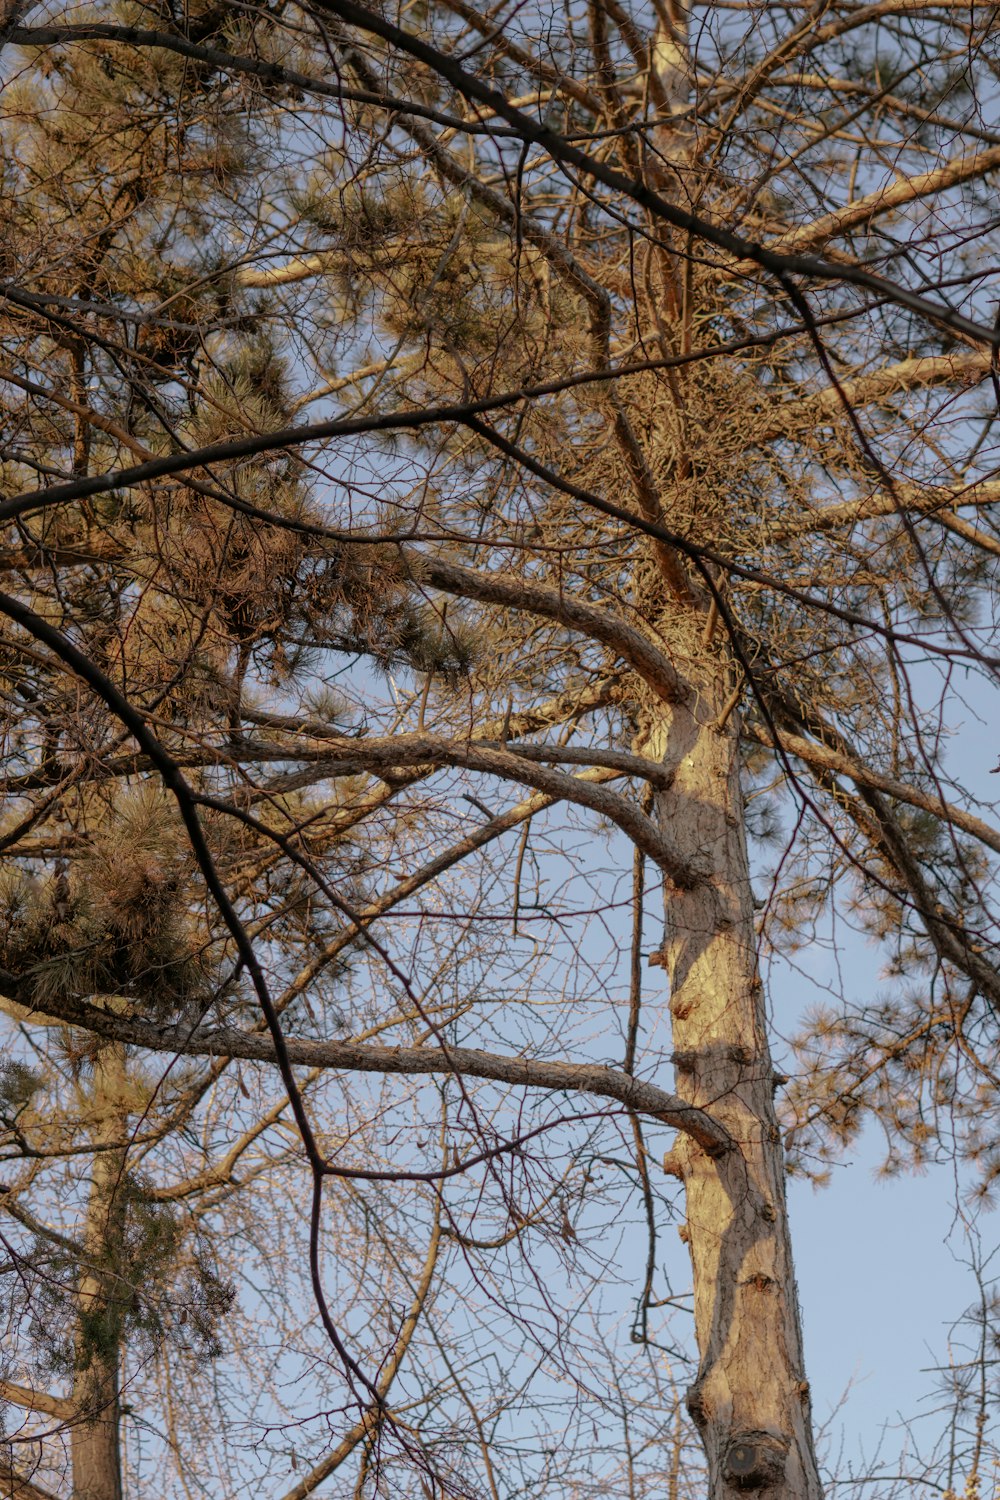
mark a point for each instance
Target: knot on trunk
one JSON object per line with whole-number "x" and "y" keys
{"x": 754, "y": 1460}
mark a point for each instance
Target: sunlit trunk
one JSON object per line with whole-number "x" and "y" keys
{"x": 750, "y": 1400}
{"x": 675, "y": 136}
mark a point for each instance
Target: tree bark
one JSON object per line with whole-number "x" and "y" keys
{"x": 96, "y": 1456}
{"x": 750, "y": 1400}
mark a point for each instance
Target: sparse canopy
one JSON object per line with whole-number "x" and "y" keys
{"x": 498, "y": 533}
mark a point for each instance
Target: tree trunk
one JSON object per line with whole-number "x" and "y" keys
{"x": 750, "y": 1400}
{"x": 96, "y": 1458}
{"x": 96, "y": 1397}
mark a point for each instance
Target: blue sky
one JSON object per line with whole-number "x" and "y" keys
{"x": 883, "y": 1265}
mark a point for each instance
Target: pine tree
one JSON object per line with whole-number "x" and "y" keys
{"x": 472, "y": 477}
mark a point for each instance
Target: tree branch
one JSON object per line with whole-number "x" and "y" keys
{"x": 14, "y": 1487}
{"x": 905, "y": 189}
{"x": 967, "y": 368}
{"x": 32, "y": 1400}
{"x": 513, "y": 593}
{"x": 384, "y": 756}
{"x": 914, "y": 499}
{"x": 780, "y": 264}
{"x": 468, "y": 1062}
{"x": 822, "y": 757}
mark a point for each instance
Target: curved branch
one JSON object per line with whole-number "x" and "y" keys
{"x": 363, "y": 1057}
{"x": 513, "y": 593}
{"x": 781, "y": 264}
{"x": 386, "y": 755}
{"x": 823, "y": 758}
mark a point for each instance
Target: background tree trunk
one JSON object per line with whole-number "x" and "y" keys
{"x": 96, "y": 1395}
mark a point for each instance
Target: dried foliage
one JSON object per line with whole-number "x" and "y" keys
{"x": 430, "y": 436}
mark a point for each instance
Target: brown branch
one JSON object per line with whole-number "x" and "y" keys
{"x": 905, "y": 189}
{"x": 968, "y": 532}
{"x": 467, "y": 1062}
{"x": 822, "y": 757}
{"x": 32, "y": 1400}
{"x": 512, "y": 593}
{"x": 14, "y": 1486}
{"x": 346, "y": 755}
{"x": 78, "y": 409}
{"x": 376, "y": 1413}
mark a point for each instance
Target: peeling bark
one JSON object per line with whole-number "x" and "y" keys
{"x": 750, "y": 1400}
